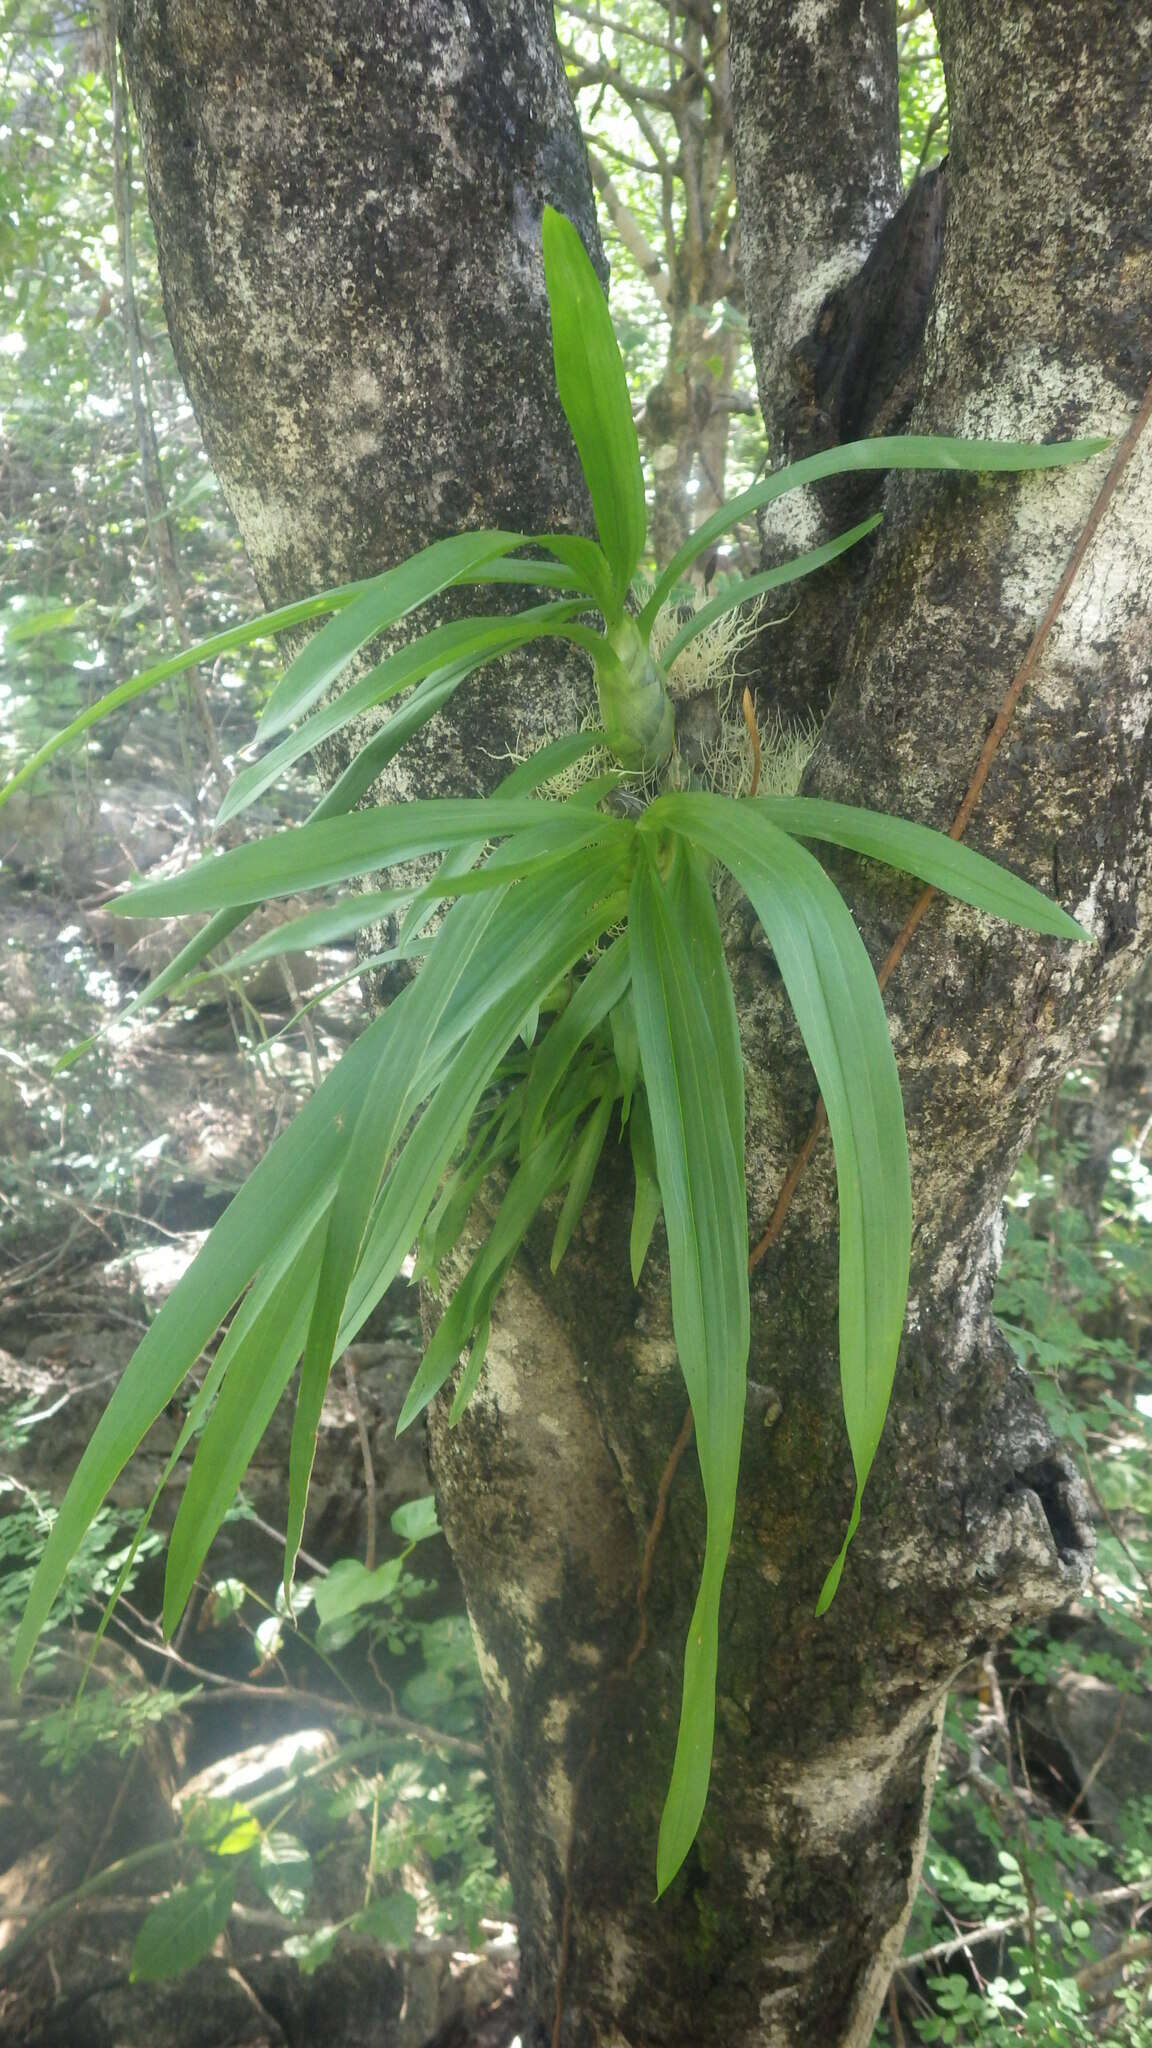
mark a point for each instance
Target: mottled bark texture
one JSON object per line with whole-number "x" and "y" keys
{"x": 781, "y": 1928}
{"x": 347, "y": 200}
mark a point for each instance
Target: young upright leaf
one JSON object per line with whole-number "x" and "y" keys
{"x": 702, "y": 1184}
{"x": 594, "y": 393}
{"x": 590, "y": 564}
{"x": 832, "y": 988}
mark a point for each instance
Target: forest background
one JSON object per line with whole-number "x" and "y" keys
{"x": 295, "y": 1808}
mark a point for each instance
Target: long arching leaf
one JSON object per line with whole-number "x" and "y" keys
{"x": 702, "y": 1185}
{"x": 458, "y": 647}
{"x": 335, "y": 849}
{"x": 263, "y": 628}
{"x": 886, "y": 451}
{"x": 269, "y": 1218}
{"x": 471, "y": 1305}
{"x": 931, "y": 856}
{"x": 381, "y": 602}
{"x": 268, "y": 1335}
{"x": 384, "y": 1109}
{"x": 489, "y": 1031}
{"x": 833, "y": 991}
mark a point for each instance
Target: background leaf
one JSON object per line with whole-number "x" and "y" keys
{"x": 184, "y": 1927}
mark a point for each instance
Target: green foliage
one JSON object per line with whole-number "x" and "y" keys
{"x": 1015, "y": 1840}
{"x": 923, "y": 97}
{"x": 80, "y": 602}
{"x": 421, "y": 1813}
{"x": 437, "y": 1086}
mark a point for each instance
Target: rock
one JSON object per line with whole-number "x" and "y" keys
{"x": 140, "y": 947}
{"x": 1107, "y": 1732}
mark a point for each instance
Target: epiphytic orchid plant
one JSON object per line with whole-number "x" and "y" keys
{"x": 619, "y": 952}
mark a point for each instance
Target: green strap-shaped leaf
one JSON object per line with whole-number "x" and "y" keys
{"x": 886, "y": 451}
{"x": 483, "y": 1039}
{"x": 381, "y": 602}
{"x": 594, "y": 393}
{"x": 351, "y": 914}
{"x": 832, "y": 987}
{"x": 271, "y": 1216}
{"x": 554, "y": 759}
{"x": 735, "y": 594}
{"x": 457, "y": 649}
{"x": 470, "y": 1377}
{"x": 647, "y": 1203}
{"x": 316, "y": 928}
{"x": 690, "y": 892}
{"x": 625, "y": 1052}
{"x": 273, "y": 1324}
{"x": 601, "y": 989}
{"x": 493, "y": 1143}
{"x": 536, "y": 575}
{"x": 264, "y": 1343}
{"x": 470, "y": 1307}
{"x": 585, "y": 1160}
{"x": 335, "y": 849}
{"x": 702, "y": 1184}
{"x": 932, "y": 856}
{"x": 385, "y": 1108}
{"x": 252, "y": 630}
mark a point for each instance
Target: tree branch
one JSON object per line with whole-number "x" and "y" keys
{"x": 630, "y": 232}
{"x": 595, "y": 19}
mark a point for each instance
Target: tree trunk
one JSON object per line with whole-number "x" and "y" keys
{"x": 348, "y": 217}
{"x": 838, "y": 275}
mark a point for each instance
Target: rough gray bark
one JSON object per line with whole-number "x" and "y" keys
{"x": 347, "y": 202}
{"x": 782, "y": 1927}
{"x": 839, "y": 268}
{"x": 816, "y": 132}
